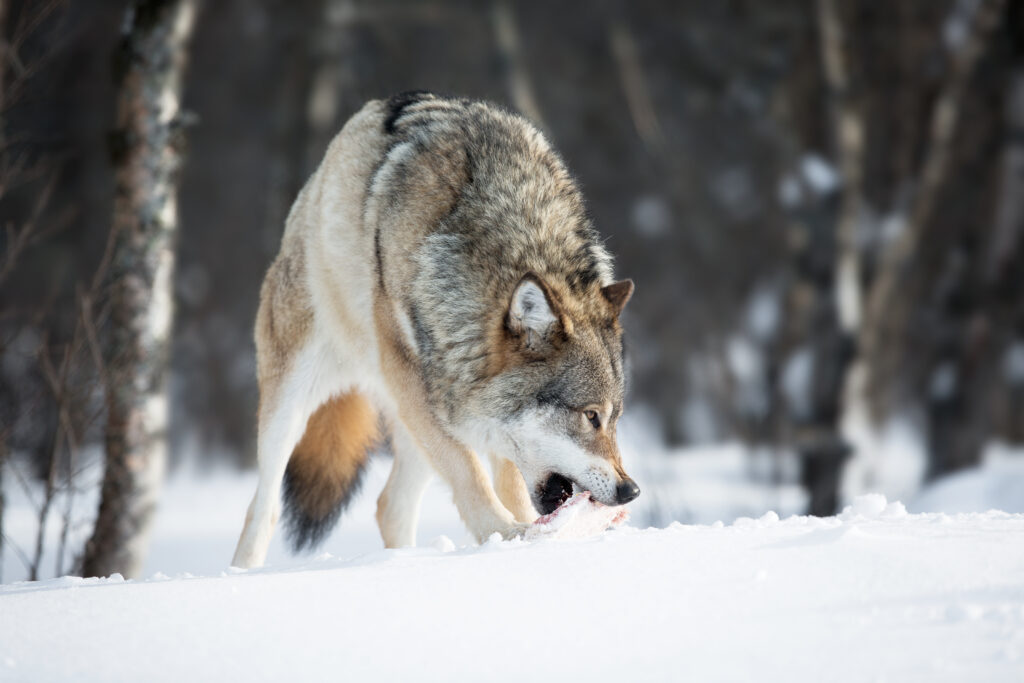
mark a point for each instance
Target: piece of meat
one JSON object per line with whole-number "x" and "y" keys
{"x": 578, "y": 517}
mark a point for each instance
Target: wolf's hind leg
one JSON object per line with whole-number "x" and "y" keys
{"x": 398, "y": 507}
{"x": 279, "y": 431}
{"x": 282, "y": 421}
{"x": 511, "y": 489}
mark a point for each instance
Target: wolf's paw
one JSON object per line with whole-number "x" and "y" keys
{"x": 508, "y": 533}
{"x": 516, "y": 530}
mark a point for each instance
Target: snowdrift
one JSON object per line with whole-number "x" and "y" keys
{"x": 873, "y": 594}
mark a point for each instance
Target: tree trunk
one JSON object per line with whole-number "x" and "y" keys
{"x": 148, "y": 142}
{"x": 3, "y": 432}
{"x": 3, "y": 502}
{"x": 848, "y": 125}
{"x": 888, "y": 298}
{"x": 931, "y": 180}
{"x": 820, "y": 444}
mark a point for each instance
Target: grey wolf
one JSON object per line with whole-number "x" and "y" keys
{"x": 439, "y": 282}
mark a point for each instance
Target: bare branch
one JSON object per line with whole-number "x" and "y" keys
{"x": 92, "y": 338}
{"x": 634, "y": 85}
{"x": 58, "y": 386}
{"x": 520, "y": 85}
{"x": 18, "y": 239}
{"x": 22, "y": 555}
{"x": 26, "y": 487}
{"x": 28, "y": 23}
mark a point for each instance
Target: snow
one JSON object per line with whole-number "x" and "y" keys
{"x": 958, "y": 24}
{"x": 891, "y": 459}
{"x": 744, "y": 359}
{"x": 821, "y": 176}
{"x": 763, "y": 312}
{"x": 797, "y": 377}
{"x": 943, "y": 382}
{"x": 997, "y": 484}
{"x": 1013, "y": 362}
{"x": 874, "y": 593}
{"x": 747, "y": 364}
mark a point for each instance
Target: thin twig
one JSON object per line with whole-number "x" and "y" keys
{"x": 20, "y": 238}
{"x": 91, "y": 337}
{"x": 22, "y": 556}
{"x": 83, "y": 325}
{"x": 58, "y": 385}
{"x": 68, "y": 489}
{"x": 26, "y": 487}
{"x": 28, "y": 23}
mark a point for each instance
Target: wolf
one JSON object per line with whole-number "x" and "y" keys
{"x": 439, "y": 283}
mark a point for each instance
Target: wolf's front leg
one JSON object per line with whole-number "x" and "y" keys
{"x": 474, "y": 496}
{"x": 511, "y": 489}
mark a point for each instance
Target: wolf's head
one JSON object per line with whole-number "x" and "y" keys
{"x": 560, "y": 392}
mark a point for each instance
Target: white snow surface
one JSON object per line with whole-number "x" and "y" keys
{"x": 997, "y": 484}
{"x": 872, "y": 594}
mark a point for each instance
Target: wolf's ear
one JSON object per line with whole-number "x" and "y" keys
{"x": 531, "y": 313}
{"x": 618, "y": 293}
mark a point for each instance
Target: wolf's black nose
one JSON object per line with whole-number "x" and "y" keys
{"x": 626, "y": 491}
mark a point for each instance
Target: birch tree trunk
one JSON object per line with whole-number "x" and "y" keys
{"x": 821, "y": 445}
{"x": 151, "y": 63}
{"x": 848, "y": 122}
{"x": 3, "y": 432}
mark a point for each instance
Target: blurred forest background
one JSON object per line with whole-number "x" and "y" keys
{"x": 821, "y": 203}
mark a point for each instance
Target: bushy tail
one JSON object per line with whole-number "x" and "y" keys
{"x": 326, "y": 468}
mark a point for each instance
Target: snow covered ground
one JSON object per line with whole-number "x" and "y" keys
{"x": 874, "y": 594}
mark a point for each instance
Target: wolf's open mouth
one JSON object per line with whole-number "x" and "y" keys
{"x": 557, "y": 489}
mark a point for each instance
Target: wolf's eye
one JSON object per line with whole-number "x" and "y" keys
{"x": 591, "y": 415}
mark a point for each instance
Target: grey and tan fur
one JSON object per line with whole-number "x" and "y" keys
{"x": 438, "y": 275}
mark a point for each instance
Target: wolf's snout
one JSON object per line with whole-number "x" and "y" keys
{"x": 626, "y": 491}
